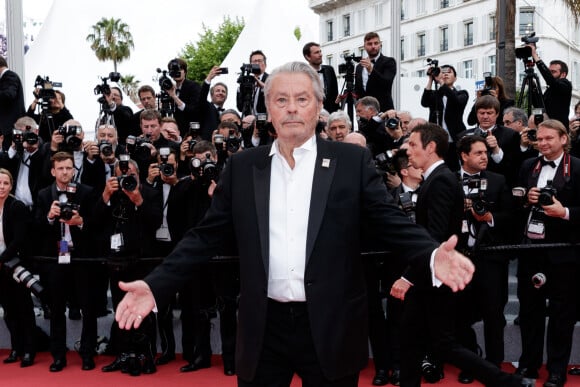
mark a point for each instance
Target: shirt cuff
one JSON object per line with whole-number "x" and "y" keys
{"x": 434, "y": 280}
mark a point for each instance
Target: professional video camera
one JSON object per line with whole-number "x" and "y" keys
{"x": 105, "y": 89}
{"x": 488, "y": 84}
{"x": 165, "y": 168}
{"x": 19, "y": 137}
{"x": 71, "y": 141}
{"x": 434, "y": 70}
{"x": 23, "y": 276}
{"x": 247, "y": 81}
{"x": 478, "y": 203}
{"x": 384, "y": 163}
{"x": 66, "y": 202}
{"x": 44, "y": 91}
{"x": 205, "y": 170}
{"x": 138, "y": 148}
{"x": 547, "y": 194}
{"x": 525, "y": 52}
{"x": 348, "y": 66}
{"x": 174, "y": 69}
{"x": 126, "y": 181}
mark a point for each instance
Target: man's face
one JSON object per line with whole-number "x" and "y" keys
{"x": 373, "y": 47}
{"x": 293, "y": 107}
{"x": 476, "y": 160}
{"x": 56, "y": 102}
{"x": 315, "y": 56}
{"x": 508, "y": 121}
{"x": 556, "y": 71}
{"x": 364, "y": 111}
{"x": 116, "y": 97}
{"x": 338, "y": 130}
{"x": 230, "y": 117}
{"x": 107, "y": 134}
{"x": 405, "y": 118}
{"x": 63, "y": 171}
{"x": 486, "y": 117}
{"x": 550, "y": 142}
{"x": 219, "y": 95}
{"x": 448, "y": 78}
{"x": 259, "y": 60}
{"x": 418, "y": 156}
{"x": 147, "y": 100}
{"x": 151, "y": 128}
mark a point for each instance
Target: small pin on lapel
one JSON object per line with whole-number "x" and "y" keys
{"x": 325, "y": 163}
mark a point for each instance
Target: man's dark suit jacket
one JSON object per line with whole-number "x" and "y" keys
{"x": 207, "y": 114}
{"x": 330, "y": 88}
{"x": 456, "y": 102}
{"x": 260, "y": 106}
{"x": 380, "y": 82}
{"x": 568, "y": 193}
{"x": 557, "y": 96}
{"x": 11, "y": 104}
{"x": 189, "y": 94}
{"x": 123, "y": 116}
{"x": 346, "y": 193}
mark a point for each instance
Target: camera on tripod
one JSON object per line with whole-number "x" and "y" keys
{"x": 126, "y": 181}
{"x": 45, "y": 91}
{"x": 247, "y": 82}
{"x": 24, "y": 277}
{"x": 104, "y": 89}
{"x": 525, "y": 52}
{"x": 348, "y": 66}
{"x": 434, "y": 70}
{"x": 165, "y": 83}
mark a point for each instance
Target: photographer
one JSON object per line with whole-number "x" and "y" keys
{"x": 517, "y": 119}
{"x": 371, "y": 124}
{"x": 493, "y": 86}
{"x": 15, "y": 297}
{"x": 11, "y": 100}
{"x": 184, "y": 93}
{"x": 313, "y": 55}
{"x": 148, "y": 102}
{"x": 122, "y": 114}
{"x": 128, "y": 214}
{"x": 558, "y": 94}
{"x": 56, "y": 115}
{"x": 552, "y": 214}
{"x": 227, "y": 141}
{"x": 338, "y": 126}
{"x": 487, "y": 221}
{"x": 64, "y": 217}
{"x": 209, "y": 112}
{"x": 258, "y": 104}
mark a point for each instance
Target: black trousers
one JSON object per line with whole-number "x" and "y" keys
{"x": 289, "y": 349}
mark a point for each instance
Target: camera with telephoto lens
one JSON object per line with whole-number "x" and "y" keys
{"x": 126, "y": 181}
{"x": 384, "y": 163}
{"x": 430, "y": 371}
{"x": 547, "y": 194}
{"x": 478, "y": 203}
{"x": 105, "y": 148}
{"x": 19, "y": 137}
{"x": 539, "y": 279}
{"x": 138, "y": 148}
{"x": 233, "y": 142}
{"x": 66, "y": 202}
{"x": 44, "y": 91}
{"x": 165, "y": 168}
{"x": 434, "y": 70}
{"x": 204, "y": 170}
{"x": 24, "y": 277}
{"x": 488, "y": 84}
{"x": 165, "y": 83}
{"x": 525, "y": 52}
{"x": 71, "y": 141}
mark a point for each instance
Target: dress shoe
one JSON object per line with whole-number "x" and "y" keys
{"x": 465, "y": 378}
{"x": 164, "y": 359}
{"x": 575, "y": 371}
{"x": 133, "y": 365}
{"x": 116, "y": 365}
{"x": 229, "y": 367}
{"x": 57, "y": 365}
{"x": 148, "y": 367}
{"x": 27, "y": 360}
{"x": 12, "y": 358}
{"x": 198, "y": 364}
{"x": 555, "y": 380}
{"x": 88, "y": 363}
{"x": 395, "y": 378}
{"x": 381, "y": 378}
{"x": 527, "y": 373}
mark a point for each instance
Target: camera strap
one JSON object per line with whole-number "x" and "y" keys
{"x": 566, "y": 169}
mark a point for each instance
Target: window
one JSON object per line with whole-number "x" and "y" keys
{"x": 329, "y": 32}
{"x": 329, "y": 60}
{"x": 402, "y": 9}
{"x": 444, "y": 39}
{"x": 492, "y": 27}
{"x": 526, "y": 21}
{"x": 421, "y": 7}
{"x": 468, "y": 69}
{"x": 361, "y": 20}
{"x": 379, "y": 14}
{"x": 468, "y": 33}
{"x": 402, "y": 49}
{"x": 421, "y": 44}
{"x": 444, "y": 4}
{"x": 492, "y": 65}
{"x": 421, "y": 74}
{"x": 346, "y": 25}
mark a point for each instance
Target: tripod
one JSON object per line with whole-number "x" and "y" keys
{"x": 347, "y": 95}
{"x": 531, "y": 85}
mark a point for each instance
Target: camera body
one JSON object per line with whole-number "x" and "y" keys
{"x": 19, "y": 137}
{"x": 434, "y": 69}
{"x": 66, "y": 202}
{"x": 104, "y": 87}
{"x": 478, "y": 203}
{"x": 126, "y": 181}
{"x": 393, "y": 123}
{"x": 70, "y": 134}
{"x": 165, "y": 83}
{"x": 525, "y": 52}
{"x": 45, "y": 91}
{"x": 488, "y": 84}
{"x": 247, "y": 82}
{"x": 204, "y": 170}
{"x": 137, "y": 148}
{"x": 233, "y": 142}
{"x": 174, "y": 68}
{"x": 105, "y": 148}
{"x": 547, "y": 194}
{"x": 480, "y": 132}
{"x": 348, "y": 66}
{"x": 384, "y": 163}
{"x": 164, "y": 167}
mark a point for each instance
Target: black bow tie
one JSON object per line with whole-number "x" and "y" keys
{"x": 467, "y": 177}
{"x": 544, "y": 162}
{"x": 220, "y": 109}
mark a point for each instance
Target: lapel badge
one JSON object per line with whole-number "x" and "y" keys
{"x": 325, "y": 163}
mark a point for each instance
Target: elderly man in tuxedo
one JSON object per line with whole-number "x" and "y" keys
{"x": 295, "y": 211}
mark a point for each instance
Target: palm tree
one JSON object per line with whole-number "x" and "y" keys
{"x": 111, "y": 40}
{"x": 130, "y": 85}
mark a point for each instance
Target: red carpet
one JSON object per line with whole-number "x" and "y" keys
{"x": 168, "y": 375}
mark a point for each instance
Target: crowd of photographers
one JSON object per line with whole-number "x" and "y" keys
{"x": 106, "y": 209}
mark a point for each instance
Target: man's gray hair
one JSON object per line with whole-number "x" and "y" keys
{"x": 340, "y": 115}
{"x": 297, "y": 68}
{"x": 517, "y": 114}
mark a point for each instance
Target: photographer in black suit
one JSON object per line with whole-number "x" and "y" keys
{"x": 258, "y": 104}
{"x": 375, "y": 73}
{"x": 552, "y": 215}
{"x": 313, "y": 55}
{"x": 209, "y": 112}
{"x": 185, "y": 94}
{"x": 11, "y": 100}
{"x": 487, "y": 221}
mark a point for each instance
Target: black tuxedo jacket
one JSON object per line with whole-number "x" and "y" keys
{"x": 11, "y": 104}
{"x": 260, "y": 106}
{"x": 557, "y": 96}
{"x": 207, "y": 114}
{"x": 189, "y": 94}
{"x": 16, "y": 220}
{"x": 123, "y": 116}
{"x": 568, "y": 193}
{"x": 380, "y": 81}
{"x": 330, "y": 88}
{"x": 456, "y": 102}
{"x": 346, "y": 193}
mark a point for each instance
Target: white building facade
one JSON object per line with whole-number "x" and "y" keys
{"x": 457, "y": 32}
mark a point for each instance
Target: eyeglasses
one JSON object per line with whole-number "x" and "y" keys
{"x": 258, "y": 61}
